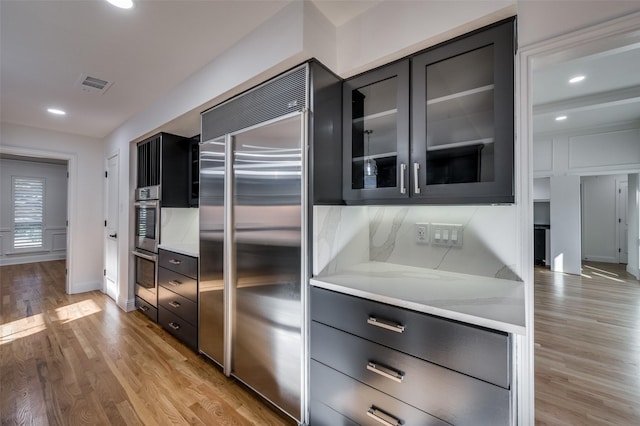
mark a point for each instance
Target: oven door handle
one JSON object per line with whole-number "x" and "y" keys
{"x": 153, "y": 258}
{"x": 146, "y": 204}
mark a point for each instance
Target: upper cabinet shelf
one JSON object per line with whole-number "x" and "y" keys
{"x": 452, "y": 96}
{"x": 458, "y": 108}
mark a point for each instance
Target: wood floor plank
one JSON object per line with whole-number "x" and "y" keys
{"x": 79, "y": 359}
{"x": 587, "y": 336}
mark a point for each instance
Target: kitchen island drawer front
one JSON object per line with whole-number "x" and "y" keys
{"x": 178, "y": 283}
{"x": 178, "y": 327}
{"x": 183, "y": 264}
{"x": 146, "y": 308}
{"x": 454, "y": 397}
{"x": 179, "y": 305}
{"x": 361, "y": 403}
{"x": 475, "y": 351}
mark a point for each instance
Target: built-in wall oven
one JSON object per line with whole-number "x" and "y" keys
{"x": 146, "y": 240}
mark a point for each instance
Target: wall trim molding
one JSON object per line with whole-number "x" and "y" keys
{"x": 86, "y": 286}
{"x": 19, "y": 259}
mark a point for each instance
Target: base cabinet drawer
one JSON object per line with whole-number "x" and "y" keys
{"x": 178, "y": 283}
{"x": 183, "y": 264}
{"x": 474, "y": 351}
{"x": 178, "y": 327}
{"x": 454, "y": 397}
{"x": 146, "y": 308}
{"x": 323, "y": 415}
{"x": 179, "y": 305}
{"x": 361, "y": 403}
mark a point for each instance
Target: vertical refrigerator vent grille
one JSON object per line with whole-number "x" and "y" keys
{"x": 279, "y": 97}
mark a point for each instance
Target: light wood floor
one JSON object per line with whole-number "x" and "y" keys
{"x": 587, "y": 355}
{"x": 79, "y": 359}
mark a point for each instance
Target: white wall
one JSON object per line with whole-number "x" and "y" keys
{"x": 541, "y": 189}
{"x": 565, "y": 224}
{"x": 633, "y": 217}
{"x": 86, "y": 174}
{"x": 54, "y": 242}
{"x": 599, "y": 218}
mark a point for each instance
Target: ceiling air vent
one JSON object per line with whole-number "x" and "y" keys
{"x": 93, "y": 84}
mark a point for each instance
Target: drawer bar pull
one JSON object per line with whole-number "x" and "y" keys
{"x": 382, "y": 417}
{"x": 398, "y": 328}
{"x": 387, "y": 372}
{"x": 143, "y": 308}
{"x": 175, "y": 282}
{"x": 174, "y": 325}
{"x": 175, "y": 261}
{"x": 174, "y": 304}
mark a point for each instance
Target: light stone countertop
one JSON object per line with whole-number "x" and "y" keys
{"x": 192, "y": 250}
{"x": 488, "y": 302}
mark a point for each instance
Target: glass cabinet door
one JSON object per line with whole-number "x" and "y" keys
{"x": 376, "y": 133}
{"x": 463, "y": 119}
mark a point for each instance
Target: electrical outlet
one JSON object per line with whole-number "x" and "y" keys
{"x": 422, "y": 233}
{"x": 446, "y": 234}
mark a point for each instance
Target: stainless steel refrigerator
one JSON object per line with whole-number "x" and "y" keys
{"x": 254, "y": 225}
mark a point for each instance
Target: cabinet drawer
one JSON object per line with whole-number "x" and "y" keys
{"x": 446, "y": 394}
{"x": 355, "y": 400}
{"x": 323, "y": 415}
{"x": 178, "y": 283}
{"x": 475, "y": 351}
{"x": 179, "y": 305}
{"x": 178, "y": 327}
{"x": 185, "y": 265}
{"x": 146, "y": 308}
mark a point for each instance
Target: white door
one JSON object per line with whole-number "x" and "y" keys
{"x": 110, "y": 285}
{"x": 623, "y": 227}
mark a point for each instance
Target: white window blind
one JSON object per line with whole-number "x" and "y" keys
{"x": 28, "y": 212}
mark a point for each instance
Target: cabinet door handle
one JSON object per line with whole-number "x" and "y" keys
{"x": 387, "y": 325}
{"x": 387, "y": 372}
{"x": 403, "y": 186}
{"x": 175, "y": 261}
{"x": 174, "y": 325}
{"x": 416, "y": 182}
{"x": 382, "y": 417}
{"x": 175, "y": 282}
{"x": 174, "y": 304}
{"x": 143, "y": 308}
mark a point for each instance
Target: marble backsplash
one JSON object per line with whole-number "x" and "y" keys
{"x": 347, "y": 235}
{"x": 179, "y": 226}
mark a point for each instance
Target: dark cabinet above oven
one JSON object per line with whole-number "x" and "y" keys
{"x": 164, "y": 161}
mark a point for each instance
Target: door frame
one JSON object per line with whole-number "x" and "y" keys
{"x": 117, "y": 225}
{"x": 72, "y": 169}
{"x": 620, "y": 184}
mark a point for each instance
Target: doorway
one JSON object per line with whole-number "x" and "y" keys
{"x": 112, "y": 210}
{"x": 36, "y": 193}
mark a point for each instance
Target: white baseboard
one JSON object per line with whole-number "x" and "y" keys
{"x": 127, "y": 305}
{"x": 605, "y": 259}
{"x": 75, "y": 288}
{"x": 15, "y": 259}
{"x": 634, "y": 271}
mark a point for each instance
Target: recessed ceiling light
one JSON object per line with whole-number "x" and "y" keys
{"x": 122, "y": 4}
{"x": 576, "y": 79}
{"x": 56, "y": 111}
{"x": 561, "y": 118}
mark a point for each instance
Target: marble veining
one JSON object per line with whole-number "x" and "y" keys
{"x": 382, "y": 252}
{"x": 484, "y": 301}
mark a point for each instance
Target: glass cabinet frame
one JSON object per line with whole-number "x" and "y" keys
{"x": 400, "y": 188}
{"x": 499, "y": 188}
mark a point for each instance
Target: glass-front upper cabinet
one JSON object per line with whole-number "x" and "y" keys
{"x": 376, "y": 134}
{"x": 462, "y": 119}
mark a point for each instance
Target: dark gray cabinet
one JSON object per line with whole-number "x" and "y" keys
{"x": 163, "y": 160}
{"x": 178, "y": 296}
{"x": 453, "y": 144}
{"x": 376, "y": 134}
{"x": 405, "y": 364}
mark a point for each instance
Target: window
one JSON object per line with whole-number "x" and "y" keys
{"x": 28, "y": 212}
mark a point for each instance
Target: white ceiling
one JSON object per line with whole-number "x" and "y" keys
{"x": 46, "y": 45}
{"x": 609, "y": 94}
